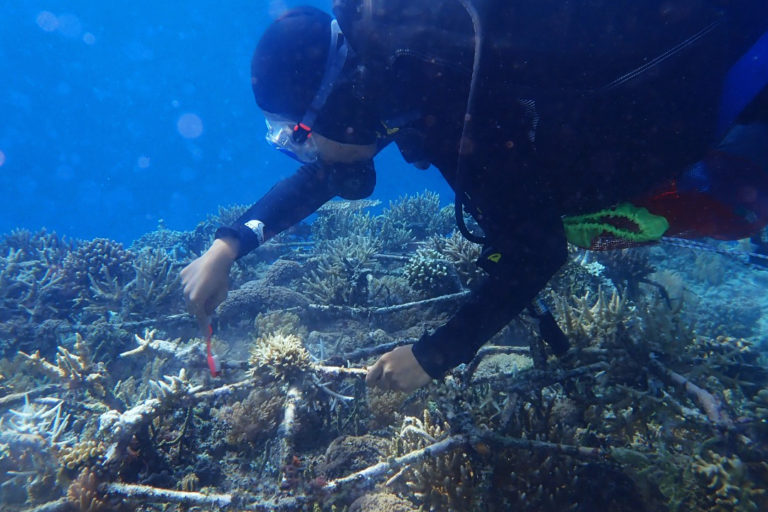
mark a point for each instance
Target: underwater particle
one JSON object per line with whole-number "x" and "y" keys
{"x": 2, "y": 158}
{"x": 190, "y": 126}
{"x": 143, "y": 162}
{"x": 89, "y": 38}
{"x": 70, "y": 26}
{"x": 63, "y": 88}
{"x": 64, "y": 173}
{"x": 47, "y": 21}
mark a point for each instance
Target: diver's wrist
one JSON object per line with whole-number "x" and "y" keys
{"x": 225, "y": 250}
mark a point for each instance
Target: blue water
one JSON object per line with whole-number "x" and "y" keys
{"x": 114, "y": 116}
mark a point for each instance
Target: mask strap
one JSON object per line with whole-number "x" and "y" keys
{"x": 337, "y": 56}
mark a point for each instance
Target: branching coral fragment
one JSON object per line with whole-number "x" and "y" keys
{"x": 282, "y": 355}
{"x": 45, "y": 423}
{"x": 149, "y": 342}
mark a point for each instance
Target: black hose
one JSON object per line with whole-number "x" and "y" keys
{"x": 465, "y": 129}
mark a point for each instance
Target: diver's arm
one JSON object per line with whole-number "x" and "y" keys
{"x": 508, "y": 290}
{"x": 296, "y": 197}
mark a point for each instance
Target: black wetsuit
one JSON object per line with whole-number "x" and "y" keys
{"x": 579, "y": 105}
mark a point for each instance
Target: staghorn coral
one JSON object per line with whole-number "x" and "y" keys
{"x": 98, "y": 271}
{"x": 342, "y": 270}
{"x": 73, "y": 368}
{"x": 446, "y": 482}
{"x": 179, "y": 245}
{"x": 282, "y": 356}
{"x": 115, "y": 427}
{"x": 388, "y": 290}
{"x": 156, "y": 286}
{"x": 47, "y": 247}
{"x": 33, "y": 287}
{"x": 626, "y": 268}
{"x": 593, "y": 323}
{"x": 339, "y": 219}
{"x": 34, "y": 425}
{"x": 416, "y": 216}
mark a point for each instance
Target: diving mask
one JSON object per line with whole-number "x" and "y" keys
{"x": 291, "y": 138}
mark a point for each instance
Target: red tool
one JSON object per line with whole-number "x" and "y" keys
{"x": 213, "y": 361}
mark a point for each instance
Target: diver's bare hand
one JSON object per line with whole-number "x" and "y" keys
{"x": 206, "y": 279}
{"x": 397, "y": 370}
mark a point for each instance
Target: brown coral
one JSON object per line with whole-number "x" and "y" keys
{"x": 253, "y": 419}
{"x": 81, "y": 454}
{"x": 83, "y": 493}
{"x": 282, "y": 355}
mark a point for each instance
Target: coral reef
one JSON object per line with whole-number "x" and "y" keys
{"x": 108, "y": 402}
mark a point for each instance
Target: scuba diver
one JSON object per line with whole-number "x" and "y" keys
{"x": 606, "y": 124}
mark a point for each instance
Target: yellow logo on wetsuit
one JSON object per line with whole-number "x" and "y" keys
{"x": 495, "y": 257}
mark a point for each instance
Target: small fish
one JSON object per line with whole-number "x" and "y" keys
{"x": 213, "y": 362}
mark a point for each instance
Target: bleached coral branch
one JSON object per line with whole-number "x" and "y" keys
{"x": 172, "y": 386}
{"x": 709, "y": 403}
{"x": 156, "y": 494}
{"x": 149, "y": 341}
{"x": 35, "y": 421}
{"x": 287, "y": 427}
{"x": 339, "y": 371}
{"x": 368, "y": 475}
{"x": 115, "y": 426}
{"x": 171, "y": 348}
{"x": 60, "y": 505}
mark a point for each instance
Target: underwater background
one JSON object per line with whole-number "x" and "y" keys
{"x": 128, "y": 134}
{"x": 115, "y": 116}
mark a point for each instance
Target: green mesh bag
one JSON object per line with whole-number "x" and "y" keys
{"x": 624, "y": 225}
